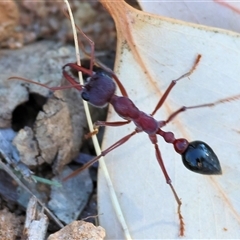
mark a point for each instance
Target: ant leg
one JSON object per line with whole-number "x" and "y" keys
{"x": 92, "y": 45}
{"x": 213, "y": 104}
{"x": 73, "y": 84}
{"x": 169, "y": 182}
{"x": 93, "y": 61}
{"x": 90, "y": 73}
{"x": 77, "y": 68}
{"x": 173, "y": 83}
{"x": 98, "y": 124}
{"x": 98, "y": 63}
{"x": 101, "y": 65}
{"x": 103, "y": 153}
{"x": 121, "y": 87}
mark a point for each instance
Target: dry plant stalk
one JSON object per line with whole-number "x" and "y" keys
{"x": 113, "y": 195}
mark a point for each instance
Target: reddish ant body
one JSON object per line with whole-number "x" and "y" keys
{"x": 99, "y": 96}
{"x": 100, "y": 90}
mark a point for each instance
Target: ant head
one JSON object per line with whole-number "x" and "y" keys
{"x": 99, "y": 89}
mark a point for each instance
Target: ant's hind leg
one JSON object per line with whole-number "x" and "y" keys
{"x": 169, "y": 182}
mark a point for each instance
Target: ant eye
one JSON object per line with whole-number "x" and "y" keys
{"x": 85, "y": 96}
{"x": 200, "y": 158}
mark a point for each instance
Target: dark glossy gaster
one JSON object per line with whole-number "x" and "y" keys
{"x": 200, "y": 158}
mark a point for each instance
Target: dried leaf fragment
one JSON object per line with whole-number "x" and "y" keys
{"x": 152, "y": 51}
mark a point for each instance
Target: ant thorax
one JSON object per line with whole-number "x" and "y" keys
{"x": 126, "y": 109}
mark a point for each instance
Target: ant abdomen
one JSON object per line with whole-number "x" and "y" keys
{"x": 200, "y": 158}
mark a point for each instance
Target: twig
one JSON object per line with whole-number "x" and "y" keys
{"x": 113, "y": 194}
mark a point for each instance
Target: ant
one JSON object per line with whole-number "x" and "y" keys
{"x": 99, "y": 91}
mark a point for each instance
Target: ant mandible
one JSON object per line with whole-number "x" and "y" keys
{"x": 99, "y": 91}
